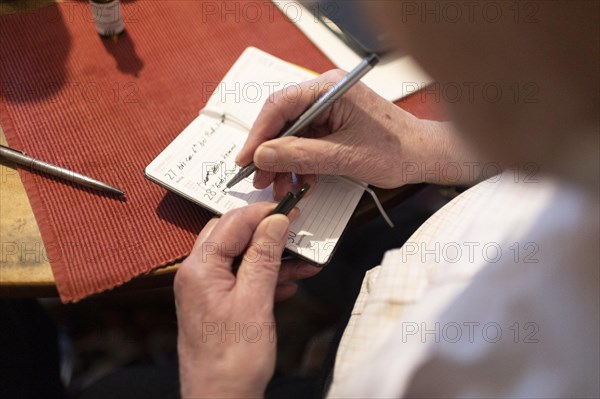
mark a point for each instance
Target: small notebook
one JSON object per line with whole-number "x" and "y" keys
{"x": 200, "y": 161}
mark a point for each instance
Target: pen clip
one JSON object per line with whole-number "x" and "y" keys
{"x": 284, "y": 207}
{"x": 290, "y": 200}
{"x": 12, "y": 149}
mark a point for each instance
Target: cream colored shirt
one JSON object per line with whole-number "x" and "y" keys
{"x": 496, "y": 295}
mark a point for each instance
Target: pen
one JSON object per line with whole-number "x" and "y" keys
{"x": 20, "y": 158}
{"x": 289, "y": 201}
{"x": 285, "y": 206}
{"x": 316, "y": 109}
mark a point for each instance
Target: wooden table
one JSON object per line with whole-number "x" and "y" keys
{"x": 24, "y": 267}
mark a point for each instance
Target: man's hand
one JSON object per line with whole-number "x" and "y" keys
{"x": 360, "y": 135}
{"x": 227, "y": 339}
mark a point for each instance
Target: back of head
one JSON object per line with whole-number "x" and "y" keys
{"x": 519, "y": 79}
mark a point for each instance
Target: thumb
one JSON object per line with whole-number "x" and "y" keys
{"x": 300, "y": 155}
{"x": 259, "y": 270}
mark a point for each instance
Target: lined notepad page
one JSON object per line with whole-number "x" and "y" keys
{"x": 200, "y": 161}
{"x": 248, "y": 84}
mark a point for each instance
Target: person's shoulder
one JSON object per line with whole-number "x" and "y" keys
{"x": 528, "y": 323}
{"x": 496, "y": 204}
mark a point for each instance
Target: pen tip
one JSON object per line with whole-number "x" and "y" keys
{"x": 233, "y": 182}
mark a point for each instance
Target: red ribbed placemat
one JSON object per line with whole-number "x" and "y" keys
{"x": 106, "y": 109}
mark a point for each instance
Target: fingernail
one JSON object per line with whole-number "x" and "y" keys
{"x": 266, "y": 155}
{"x": 210, "y": 226}
{"x": 277, "y": 227}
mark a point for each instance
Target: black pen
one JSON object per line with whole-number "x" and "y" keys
{"x": 284, "y": 207}
{"x": 289, "y": 201}
{"x": 315, "y": 110}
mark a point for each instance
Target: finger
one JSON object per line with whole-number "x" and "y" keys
{"x": 282, "y": 185}
{"x": 285, "y": 291}
{"x": 260, "y": 266}
{"x": 231, "y": 235}
{"x": 283, "y": 106}
{"x": 294, "y": 214}
{"x": 263, "y": 179}
{"x": 303, "y": 155}
{"x": 202, "y": 236}
{"x": 294, "y": 270}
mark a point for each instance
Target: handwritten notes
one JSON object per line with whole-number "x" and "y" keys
{"x": 200, "y": 161}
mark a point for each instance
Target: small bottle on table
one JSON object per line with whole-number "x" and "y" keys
{"x": 108, "y": 18}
